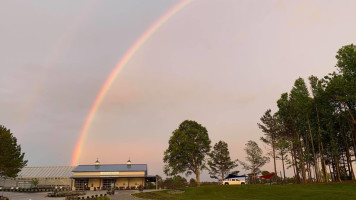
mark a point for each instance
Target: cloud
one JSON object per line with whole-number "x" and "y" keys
{"x": 280, "y": 5}
{"x": 245, "y": 98}
{"x": 240, "y": 37}
{"x": 306, "y": 13}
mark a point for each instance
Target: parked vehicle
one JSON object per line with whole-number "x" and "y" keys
{"x": 233, "y": 181}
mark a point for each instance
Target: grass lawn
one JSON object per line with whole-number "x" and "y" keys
{"x": 285, "y": 192}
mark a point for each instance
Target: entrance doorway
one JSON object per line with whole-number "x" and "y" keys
{"x": 81, "y": 184}
{"x": 108, "y": 183}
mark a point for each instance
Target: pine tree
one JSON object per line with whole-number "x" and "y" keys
{"x": 270, "y": 128}
{"x": 220, "y": 162}
{"x": 254, "y": 158}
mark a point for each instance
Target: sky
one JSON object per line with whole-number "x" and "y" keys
{"x": 222, "y": 63}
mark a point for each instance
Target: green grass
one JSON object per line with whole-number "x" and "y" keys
{"x": 285, "y": 192}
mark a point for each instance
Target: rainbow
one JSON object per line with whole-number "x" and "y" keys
{"x": 126, "y": 58}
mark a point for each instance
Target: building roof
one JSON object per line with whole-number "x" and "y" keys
{"x": 111, "y": 168}
{"x": 46, "y": 172}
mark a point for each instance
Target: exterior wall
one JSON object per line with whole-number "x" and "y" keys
{"x": 142, "y": 173}
{"x": 96, "y": 179}
{"x": 86, "y": 173}
{"x": 137, "y": 181}
{"x": 122, "y": 182}
{"x": 54, "y": 181}
{"x": 129, "y": 182}
{"x": 102, "y": 174}
{"x": 94, "y": 183}
{"x": 73, "y": 186}
{"x": 26, "y": 182}
{"x": 8, "y": 183}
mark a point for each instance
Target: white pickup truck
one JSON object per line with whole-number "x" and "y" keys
{"x": 232, "y": 181}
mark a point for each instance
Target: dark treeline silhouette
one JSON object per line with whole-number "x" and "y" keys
{"x": 314, "y": 131}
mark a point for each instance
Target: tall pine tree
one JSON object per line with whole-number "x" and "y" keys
{"x": 220, "y": 163}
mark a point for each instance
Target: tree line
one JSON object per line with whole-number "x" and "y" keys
{"x": 188, "y": 148}
{"x": 314, "y": 130}
{"x": 189, "y": 152}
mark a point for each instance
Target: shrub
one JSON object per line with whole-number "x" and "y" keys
{"x": 175, "y": 182}
{"x": 103, "y": 198}
{"x": 209, "y": 183}
{"x": 192, "y": 182}
{"x": 150, "y": 186}
{"x": 140, "y": 188}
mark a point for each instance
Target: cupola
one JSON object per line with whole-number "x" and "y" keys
{"x": 128, "y": 163}
{"x": 97, "y": 163}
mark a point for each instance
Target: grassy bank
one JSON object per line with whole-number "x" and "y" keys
{"x": 285, "y": 192}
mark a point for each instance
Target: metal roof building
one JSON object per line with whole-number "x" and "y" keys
{"x": 83, "y": 177}
{"x": 120, "y": 176}
{"x": 46, "y": 176}
{"x": 46, "y": 172}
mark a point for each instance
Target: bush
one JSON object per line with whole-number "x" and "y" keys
{"x": 140, "y": 188}
{"x": 209, "y": 183}
{"x": 65, "y": 194}
{"x": 150, "y": 186}
{"x": 192, "y": 182}
{"x": 72, "y": 198}
{"x": 103, "y": 198}
{"x": 175, "y": 182}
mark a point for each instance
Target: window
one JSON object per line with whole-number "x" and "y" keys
{"x": 108, "y": 183}
{"x": 24, "y": 184}
{"x": 81, "y": 184}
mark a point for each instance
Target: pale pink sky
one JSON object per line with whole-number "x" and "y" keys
{"x": 221, "y": 63}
